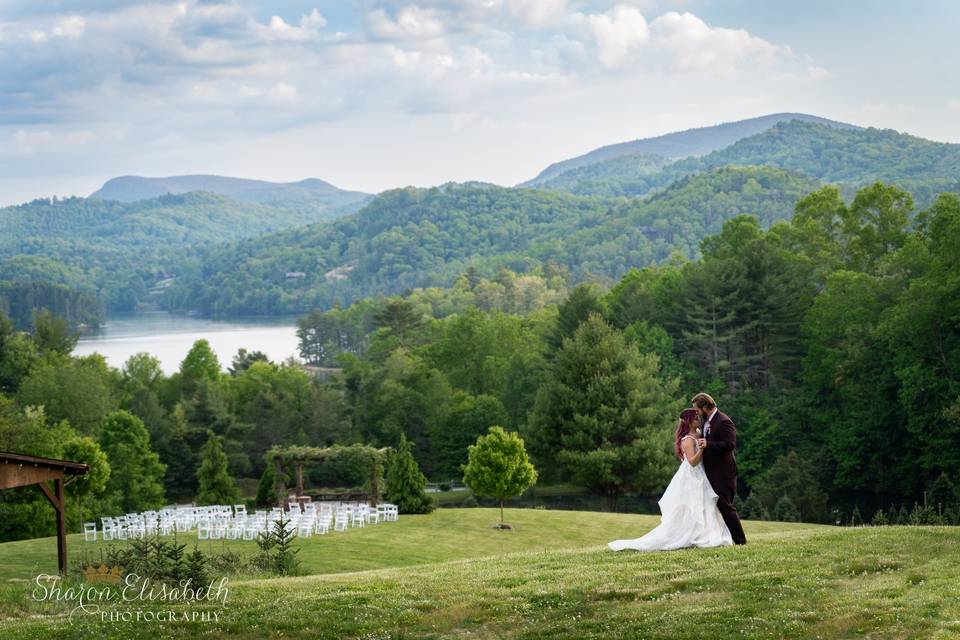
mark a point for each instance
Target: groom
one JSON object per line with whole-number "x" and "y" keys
{"x": 719, "y": 441}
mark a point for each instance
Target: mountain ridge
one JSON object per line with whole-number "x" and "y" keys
{"x": 676, "y": 145}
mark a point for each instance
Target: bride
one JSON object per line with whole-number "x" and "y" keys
{"x": 689, "y": 505}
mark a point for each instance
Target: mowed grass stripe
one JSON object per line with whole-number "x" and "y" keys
{"x": 446, "y": 534}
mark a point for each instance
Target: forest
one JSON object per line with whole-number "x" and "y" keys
{"x": 831, "y": 339}
{"x": 255, "y": 252}
{"x": 411, "y": 238}
{"x": 848, "y": 156}
{"x": 120, "y": 251}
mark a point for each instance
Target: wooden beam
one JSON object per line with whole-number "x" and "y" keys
{"x": 61, "y": 526}
{"x": 21, "y": 475}
{"x": 299, "y": 478}
{"x": 56, "y": 498}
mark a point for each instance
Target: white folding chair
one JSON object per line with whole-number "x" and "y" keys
{"x": 89, "y": 531}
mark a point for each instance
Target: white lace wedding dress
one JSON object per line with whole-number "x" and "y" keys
{"x": 690, "y": 517}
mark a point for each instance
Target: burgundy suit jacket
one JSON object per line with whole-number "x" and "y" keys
{"x": 719, "y": 461}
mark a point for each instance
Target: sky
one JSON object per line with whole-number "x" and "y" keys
{"x": 372, "y": 95}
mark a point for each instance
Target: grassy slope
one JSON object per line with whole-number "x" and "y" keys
{"x": 553, "y": 577}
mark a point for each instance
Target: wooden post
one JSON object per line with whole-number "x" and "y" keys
{"x": 55, "y": 498}
{"x": 299, "y": 478}
{"x": 61, "y": 525}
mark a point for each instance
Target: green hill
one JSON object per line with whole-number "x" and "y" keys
{"x": 680, "y": 144}
{"x": 848, "y": 156}
{"x": 315, "y": 196}
{"x": 553, "y": 577}
{"x": 118, "y": 249}
{"x": 424, "y": 237}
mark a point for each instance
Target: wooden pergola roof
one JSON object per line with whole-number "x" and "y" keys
{"x": 19, "y": 470}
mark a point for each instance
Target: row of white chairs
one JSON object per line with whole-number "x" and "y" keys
{"x": 217, "y": 522}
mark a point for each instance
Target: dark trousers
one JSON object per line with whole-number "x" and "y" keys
{"x": 725, "y": 491}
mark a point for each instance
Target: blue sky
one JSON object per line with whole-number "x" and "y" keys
{"x": 378, "y": 94}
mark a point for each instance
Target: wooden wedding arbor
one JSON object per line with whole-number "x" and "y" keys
{"x": 372, "y": 458}
{"x": 17, "y": 470}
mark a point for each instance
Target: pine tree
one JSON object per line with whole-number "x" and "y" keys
{"x": 401, "y": 318}
{"x": 892, "y": 515}
{"x": 216, "y": 484}
{"x": 135, "y": 470}
{"x": 406, "y": 485}
{"x": 285, "y": 561}
{"x": 942, "y": 494}
{"x": 856, "y": 520}
{"x": 753, "y": 509}
{"x": 601, "y": 416}
{"x": 903, "y": 516}
{"x": 267, "y": 488}
{"x": 197, "y": 568}
{"x": 786, "y": 511}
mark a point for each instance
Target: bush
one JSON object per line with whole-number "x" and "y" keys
{"x": 879, "y": 519}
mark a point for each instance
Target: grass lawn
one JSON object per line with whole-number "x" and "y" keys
{"x": 554, "y": 577}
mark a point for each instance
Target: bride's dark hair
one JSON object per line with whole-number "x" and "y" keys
{"x": 689, "y": 420}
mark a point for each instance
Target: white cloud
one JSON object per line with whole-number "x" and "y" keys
{"x": 688, "y": 43}
{"x": 69, "y": 27}
{"x": 410, "y": 23}
{"x": 618, "y": 33}
{"x": 181, "y": 74}
{"x": 953, "y": 104}
{"x": 279, "y": 29}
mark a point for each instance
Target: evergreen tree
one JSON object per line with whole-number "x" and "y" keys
{"x": 856, "y": 520}
{"x": 753, "y": 509}
{"x": 601, "y": 418}
{"x": 136, "y": 471}
{"x": 942, "y": 493}
{"x": 215, "y": 482}
{"x": 267, "y": 487}
{"x": 794, "y": 476}
{"x": 879, "y": 519}
{"x": 200, "y": 363}
{"x": 891, "y": 516}
{"x": 406, "y": 485}
{"x": 585, "y": 299}
{"x": 53, "y": 334}
{"x": 903, "y": 516}
{"x": 785, "y": 510}
{"x": 498, "y": 467}
{"x": 401, "y": 319}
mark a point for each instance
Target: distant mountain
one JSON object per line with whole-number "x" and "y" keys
{"x": 303, "y": 195}
{"x": 681, "y": 144}
{"x": 849, "y": 157}
{"x": 425, "y": 237}
{"x": 121, "y": 249}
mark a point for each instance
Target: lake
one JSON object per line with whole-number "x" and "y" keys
{"x": 169, "y": 337}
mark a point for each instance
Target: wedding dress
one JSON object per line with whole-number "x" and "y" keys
{"x": 690, "y": 517}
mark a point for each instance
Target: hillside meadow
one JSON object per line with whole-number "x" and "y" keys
{"x": 448, "y": 574}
